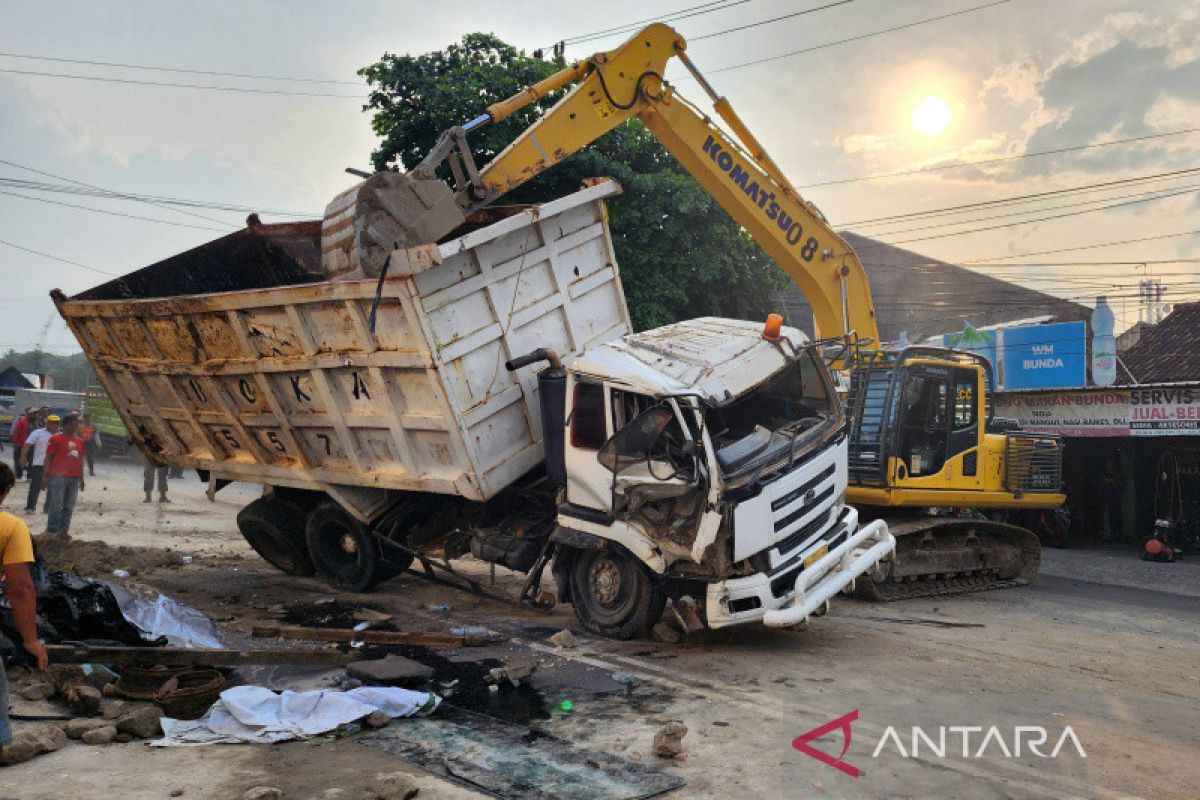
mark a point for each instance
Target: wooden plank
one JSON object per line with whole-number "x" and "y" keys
{"x": 418, "y": 638}
{"x": 186, "y": 656}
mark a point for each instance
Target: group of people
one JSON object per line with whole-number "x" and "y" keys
{"x": 53, "y": 459}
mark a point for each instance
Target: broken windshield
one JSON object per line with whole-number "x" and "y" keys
{"x": 776, "y": 420}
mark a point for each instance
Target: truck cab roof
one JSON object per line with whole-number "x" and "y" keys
{"x": 714, "y": 357}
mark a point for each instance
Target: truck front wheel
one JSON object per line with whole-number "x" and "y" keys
{"x": 275, "y": 529}
{"x": 343, "y": 551}
{"x": 613, "y": 593}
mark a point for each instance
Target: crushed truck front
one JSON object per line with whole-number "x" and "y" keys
{"x": 738, "y": 487}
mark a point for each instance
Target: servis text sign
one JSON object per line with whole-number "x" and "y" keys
{"x": 938, "y": 742}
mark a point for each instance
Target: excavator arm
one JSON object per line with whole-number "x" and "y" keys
{"x": 610, "y": 88}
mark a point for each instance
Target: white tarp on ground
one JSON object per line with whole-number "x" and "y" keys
{"x": 183, "y": 625}
{"x": 256, "y": 714}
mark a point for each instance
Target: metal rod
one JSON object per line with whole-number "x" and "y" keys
{"x": 482, "y": 119}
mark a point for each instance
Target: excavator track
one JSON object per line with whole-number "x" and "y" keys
{"x": 951, "y": 555}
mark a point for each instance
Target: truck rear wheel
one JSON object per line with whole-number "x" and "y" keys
{"x": 344, "y": 552}
{"x": 275, "y": 529}
{"x": 614, "y": 595}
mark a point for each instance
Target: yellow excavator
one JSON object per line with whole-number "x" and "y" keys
{"x": 920, "y": 426}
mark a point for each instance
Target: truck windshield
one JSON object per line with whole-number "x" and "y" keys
{"x": 775, "y": 421}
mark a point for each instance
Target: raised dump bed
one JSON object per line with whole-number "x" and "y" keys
{"x": 239, "y": 358}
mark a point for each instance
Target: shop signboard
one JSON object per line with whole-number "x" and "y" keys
{"x": 1133, "y": 411}
{"x": 1045, "y": 356}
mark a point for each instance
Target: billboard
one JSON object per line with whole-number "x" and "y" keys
{"x": 1120, "y": 411}
{"x": 1045, "y": 356}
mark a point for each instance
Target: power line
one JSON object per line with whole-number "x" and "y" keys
{"x": 1085, "y": 247}
{"x": 178, "y": 69}
{"x": 100, "y": 188}
{"x": 959, "y": 165}
{"x": 768, "y": 21}
{"x": 38, "y": 186}
{"x": 172, "y": 85}
{"x": 58, "y": 258}
{"x": 1031, "y": 221}
{"x": 1162, "y": 193}
{"x": 683, "y": 13}
{"x": 114, "y": 213}
{"x": 1021, "y": 198}
{"x": 859, "y": 37}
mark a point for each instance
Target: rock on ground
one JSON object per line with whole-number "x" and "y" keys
{"x": 377, "y": 719}
{"x": 104, "y": 735}
{"x": 84, "y": 699}
{"x": 564, "y": 638}
{"x": 38, "y": 691}
{"x": 668, "y": 742}
{"x": 142, "y": 722}
{"x": 262, "y": 793}
{"x": 77, "y": 727}
{"x": 394, "y": 786}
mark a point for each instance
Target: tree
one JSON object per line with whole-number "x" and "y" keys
{"x": 680, "y": 254}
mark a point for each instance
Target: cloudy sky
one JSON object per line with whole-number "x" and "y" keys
{"x": 1007, "y": 80}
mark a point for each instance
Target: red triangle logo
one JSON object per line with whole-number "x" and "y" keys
{"x": 801, "y": 743}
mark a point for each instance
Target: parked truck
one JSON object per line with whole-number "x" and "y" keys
{"x": 59, "y": 402}
{"x": 486, "y": 395}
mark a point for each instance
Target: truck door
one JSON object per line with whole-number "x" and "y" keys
{"x": 589, "y": 484}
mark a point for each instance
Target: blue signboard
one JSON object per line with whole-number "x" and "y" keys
{"x": 1045, "y": 356}
{"x": 981, "y": 343}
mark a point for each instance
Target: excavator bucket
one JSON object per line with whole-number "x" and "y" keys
{"x": 389, "y": 210}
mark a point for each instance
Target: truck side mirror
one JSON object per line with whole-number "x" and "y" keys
{"x": 631, "y": 444}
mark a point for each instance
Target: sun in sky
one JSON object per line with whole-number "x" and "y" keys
{"x": 931, "y": 116}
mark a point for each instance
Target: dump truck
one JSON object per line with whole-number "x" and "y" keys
{"x": 486, "y": 395}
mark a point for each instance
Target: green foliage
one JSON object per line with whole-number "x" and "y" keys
{"x": 680, "y": 254}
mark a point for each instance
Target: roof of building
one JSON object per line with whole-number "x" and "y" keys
{"x": 717, "y": 358}
{"x": 1168, "y": 351}
{"x": 926, "y": 297}
{"x": 13, "y": 378}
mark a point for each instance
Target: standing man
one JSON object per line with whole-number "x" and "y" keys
{"x": 91, "y": 443}
{"x": 33, "y": 456}
{"x": 21, "y": 429}
{"x": 16, "y": 554}
{"x": 155, "y": 470}
{"x": 64, "y": 466}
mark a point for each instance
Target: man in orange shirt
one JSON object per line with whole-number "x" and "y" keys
{"x": 91, "y": 442}
{"x": 16, "y": 554}
{"x": 64, "y": 465}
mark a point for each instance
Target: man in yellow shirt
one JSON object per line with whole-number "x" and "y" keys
{"x": 16, "y": 555}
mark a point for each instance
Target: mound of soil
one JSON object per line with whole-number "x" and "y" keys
{"x": 99, "y": 559}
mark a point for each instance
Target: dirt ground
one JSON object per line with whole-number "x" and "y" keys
{"x": 1119, "y": 665}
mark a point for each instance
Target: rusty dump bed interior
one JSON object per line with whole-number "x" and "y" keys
{"x": 256, "y": 257}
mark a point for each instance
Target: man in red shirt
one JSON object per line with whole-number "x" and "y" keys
{"x": 64, "y": 465}
{"x": 20, "y": 432}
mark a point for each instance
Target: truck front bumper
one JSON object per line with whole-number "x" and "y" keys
{"x": 761, "y": 597}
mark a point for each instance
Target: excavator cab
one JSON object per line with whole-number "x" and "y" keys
{"x": 921, "y": 434}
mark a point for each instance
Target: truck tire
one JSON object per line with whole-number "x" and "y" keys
{"x": 343, "y": 551}
{"x": 613, "y": 593}
{"x": 275, "y": 530}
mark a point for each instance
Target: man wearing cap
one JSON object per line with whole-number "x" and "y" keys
{"x": 64, "y": 466}
{"x": 21, "y": 428}
{"x": 33, "y": 455}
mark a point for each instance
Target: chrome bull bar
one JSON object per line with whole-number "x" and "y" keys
{"x": 833, "y": 572}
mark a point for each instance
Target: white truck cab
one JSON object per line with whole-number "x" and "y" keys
{"x": 715, "y": 453}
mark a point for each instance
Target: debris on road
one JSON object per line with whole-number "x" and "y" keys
{"x": 668, "y": 742}
{"x": 392, "y": 669}
{"x": 262, "y": 793}
{"x": 511, "y": 673}
{"x": 564, "y": 639}
{"x": 458, "y": 637}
